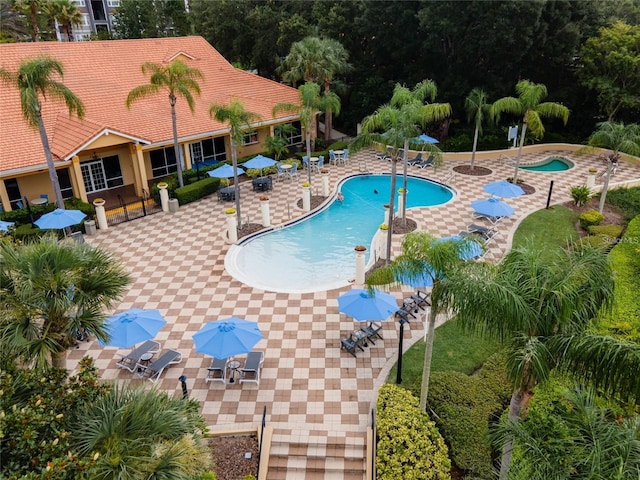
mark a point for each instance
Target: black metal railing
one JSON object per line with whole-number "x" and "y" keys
{"x": 374, "y": 442}
{"x": 262, "y": 425}
{"x": 127, "y": 211}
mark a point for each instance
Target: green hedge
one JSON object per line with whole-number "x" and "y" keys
{"x": 466, "y": 406}
{"x": 409, "y": 444}
{"x": 624, "y": 319}
{"x": 590, "y": 218}
{"x": 191, "y": 193}
{"x": 627, "y": 200}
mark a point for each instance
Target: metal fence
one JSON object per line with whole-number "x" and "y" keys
{"x": 128, "y": 211}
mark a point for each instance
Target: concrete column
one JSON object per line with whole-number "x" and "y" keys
{"x": 360, "y": 252}
{"x": 76, "y": 179}
{"x": 164, "y": 196}
{"x": 306, "y": 198}
{"x": 5, "y": 203}
{"x": 101, "y": 216}
{"x": 325, "y": 183}
{"x": 591, "y": 180}
{"x": 400, "y": 201}
{"x": 232, "y": 224}
{"x": 382, "y": 241}
{"x": 386, "y": 213}
{"x": 264, "y": 210}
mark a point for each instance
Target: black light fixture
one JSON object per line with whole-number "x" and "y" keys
{"x": 94, "y": 156}
{"x": 183, "y": 381}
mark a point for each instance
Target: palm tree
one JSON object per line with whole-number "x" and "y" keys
{"x": 239, "y": 121}
{"x": 178, "y": 79}
{"x": 277, "y": 145}
{"x": 30, "y": 8}
{"x": 576, "y": 438}
{"x": 34, "y": 79}
{"x": 319, "y": 60}
{"x": 65, "y": 13}
{"x": 49, "y": 291}
{"x": 311, "y": 102}
{"x": 542, "y": 306}
{"x": 13, "y": 22}
{"x": 619, "y": 138}
{"x": 421, "y": 251}
{"x": 477, "y": 111}
{"x": 528, "y": 105}
{"x": 139, "y": 433}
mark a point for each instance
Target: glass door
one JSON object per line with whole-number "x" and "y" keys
{"x": 93, "y": 176}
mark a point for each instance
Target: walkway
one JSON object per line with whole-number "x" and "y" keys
{"x": 314, "y": 392}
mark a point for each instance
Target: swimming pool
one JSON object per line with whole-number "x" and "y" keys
{"x": 551, "y": 164}
{"x": 316, "y": 253}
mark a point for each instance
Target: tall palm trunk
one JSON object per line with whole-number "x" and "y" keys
{"x": 517, "y": 167}
{"x": 605, "y": 185}
{"x": 53, "y": 176}
{"x": 507, "y": 450}
{"x": 59, "y": 359}
{"x": 405, "y": 156}
{"x": 33, "y": 11}
{"x": 234, "y": 162}
{"x": 176, "y": 146}
{"x": 308, "y": 145}
{"x": 428, "y": 353}
{"x": 394, "y": 163}
{"x": 475, "y": 145}
{"x": 328, "y": 116}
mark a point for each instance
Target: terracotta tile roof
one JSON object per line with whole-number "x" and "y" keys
{"x": 102, "y": 73}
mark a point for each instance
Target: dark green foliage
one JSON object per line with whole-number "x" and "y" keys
{"x": 580, "y": 194}
{"x": 39, "y": 408}
{"x": 409, "y": 444}
{"x": 191, "y": 193}
{"x": 612, "y": 232}
{"x": 150, "y": 19}
{"x": 466, "y": 407}
{"x": 589, "y": 218}
{"x": 627, "y": 200}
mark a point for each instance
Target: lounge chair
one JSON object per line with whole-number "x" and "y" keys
{"x": 487, "y": 233}
{"x": 422, "y": 299}
{"x": 372, "y": 330}
{"x": 154, "y": 371}
{"x": 217, "y": 372}
{"x": 425, "y": 163}
{"x": 251, "y": 370}
{"x": 350, "y": 344}
{"x": 415, "y": 160}
{"x": 131, "y": 359}
{"x": 403, "y": 314}
{"x": 491, "y": 219}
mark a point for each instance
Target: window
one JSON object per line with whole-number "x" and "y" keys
{"x": 13, "y": 191}
{"x": 101, "y": 174}
{"x": 64, "y": 179}
{"x": 79, "y": 3}
{"x": 250, "y": 138}
{"x": 209, "y": 151}
{"x": 163, "y": 162}
{"x": 295, "y": 137}
{"x": 113, "y": 3}
{"x": 112, "y": 171}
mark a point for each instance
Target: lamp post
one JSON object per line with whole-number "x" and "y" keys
{"x": 183, "y": 381}
{"x": 402, "y": 321}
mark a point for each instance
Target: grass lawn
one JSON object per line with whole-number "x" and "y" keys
{"x": 455, "y": 350}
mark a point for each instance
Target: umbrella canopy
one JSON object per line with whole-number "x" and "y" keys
{"x": 4, "y": 226}
{"x": 424, "y": 138}
{"x": 259, "y": 162}
{"x": 60, "y": 218}
{"x": 362, "y": 306}
{"x": 503, "y": 189}
{"x": 492, "y": 207}
{"x": 133, "y": 326}
{"x": 472, "y": 249}
{"x": 424, "y": 279}
{"x": 227, "y": 337}
{"x": 225, "y": 171}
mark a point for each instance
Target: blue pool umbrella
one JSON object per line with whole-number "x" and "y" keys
{"x": 492, "y": 207}
{"x": 4, "y": 226}
{"x": 227, "y": 337}
{"x": 471, "y": 250}
{"x": 60, "y": 218}
{"x": 503, "y": 189}
{"x": 361, "y": 305}
{"x": 424, "y": 138}
{"x": 424, "y": 279}
{"x": 133, "y": 326}
{"x": 225, "y": 171}
{"x": 259, "y": 162}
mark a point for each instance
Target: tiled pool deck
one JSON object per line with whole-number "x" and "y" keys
{"x": 307, "y": 384}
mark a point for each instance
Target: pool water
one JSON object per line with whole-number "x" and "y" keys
{"x": 317, "y": 253}
{"x": 550, "y": 165}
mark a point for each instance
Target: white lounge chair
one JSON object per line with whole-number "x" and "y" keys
{"x": 131, "y": 359}
{"x": 217, "y": 372}
{"x": 154, "y": 371}
{"x": 251, "y": 370}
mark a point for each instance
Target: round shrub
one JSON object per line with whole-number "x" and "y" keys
{"x": 409, "y": 444}
{"x": 589, "y": 218}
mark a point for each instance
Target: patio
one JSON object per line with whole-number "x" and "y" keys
{"x": 316, "y": 394}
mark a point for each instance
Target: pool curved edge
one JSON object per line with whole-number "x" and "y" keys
{"x": 568, "y": 162}
{"x": 230, "y": 260}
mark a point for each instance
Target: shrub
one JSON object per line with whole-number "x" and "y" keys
{"x": 589, "y": 218}
{"x": 465, "y": 406}
{"x": 197, "y": 190}
{"x": 580, "y": 194}
{"x": 627, "y": 200}
{"x": 611, "y": 231}
{"x": 172, "y": 184}
{"x": 28, "y": 232}
{"x": 409, "y": 445}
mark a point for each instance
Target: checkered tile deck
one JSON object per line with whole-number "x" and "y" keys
{"x": 308, "y": 384}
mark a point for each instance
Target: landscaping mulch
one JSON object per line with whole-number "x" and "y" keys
{"x": 316, "y": 201}
{"x": 476, "y": 172}
{"x": 229, "y": 456}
